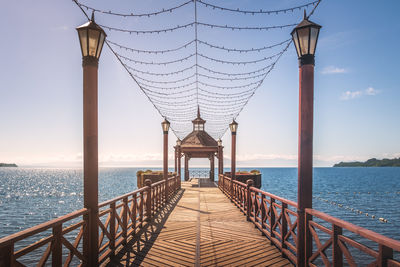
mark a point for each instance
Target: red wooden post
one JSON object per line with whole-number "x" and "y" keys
{"x": 385, "y": 253}
{"x": 305, "y": 37}
{"x": 112, "y": 228}
{"x": 233, "y": 161}
{"x": 308, "y": 239}
{"x": 7, "y": 255}
{"x": 212, "y": 167}
{"x": 125, "y": 219}
{"x": 305, "y": 158}
{"x": 186, "y": 167}
{"x": 148, "y": 199}
{"x": 176, "y": 160}
{"x": 220, "y": 158}
{"x": 90, "y": 157}
{"x": 249, "y": 183}
{"x": 284, "y": 228}
{"x": 272, "y": 218}
{"x": 179, "y": 162}
{"x": 263, "y": 213}
{"x": 56, "y": 254}
{"x": 165, "y": 163}
{"x": 337, "y": 258}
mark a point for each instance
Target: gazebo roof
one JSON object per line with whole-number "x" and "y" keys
{"x": 199, "y": 138}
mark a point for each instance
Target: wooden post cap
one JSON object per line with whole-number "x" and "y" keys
{"x": 147, "y": 182}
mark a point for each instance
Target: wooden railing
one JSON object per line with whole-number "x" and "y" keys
{"x": 199, "y": 173}
{"x": 340, "y": 244}
{"x": 119, "y": 220}
{"x": 277, "y": 218}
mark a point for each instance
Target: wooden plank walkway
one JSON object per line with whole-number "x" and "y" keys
{"x": 200, "y": 227}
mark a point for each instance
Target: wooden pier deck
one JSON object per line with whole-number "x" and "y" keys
{"x": 200, "y": 227}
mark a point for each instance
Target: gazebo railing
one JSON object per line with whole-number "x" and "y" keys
{"x": 119, "y": 220}
{"x": 199, "y": 173}
{"x": 277, "y": 218}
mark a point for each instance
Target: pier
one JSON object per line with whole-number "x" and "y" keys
{"x": 198, "y": 218}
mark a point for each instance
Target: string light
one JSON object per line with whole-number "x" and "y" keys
{"x": 253, "y": 12}
{"x": 178, "y": 97}
{"x": 169, "y": 10}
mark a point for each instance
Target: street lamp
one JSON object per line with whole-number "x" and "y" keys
{"x": 305, "y": 38}
{"x": 219, "y": 142}
{"x": 91, "y": 39}
{"x": 165, "y": 127}
{"x": 233, "y": 126}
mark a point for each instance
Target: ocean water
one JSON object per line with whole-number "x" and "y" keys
{"x": 29, "y": 196}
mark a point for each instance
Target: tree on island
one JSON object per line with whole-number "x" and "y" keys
{"x": 8, "y": 165}
{"x": 371, "y": 163}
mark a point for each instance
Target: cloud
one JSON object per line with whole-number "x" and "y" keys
{"x": 371, "y": 91}
{"x": 351, "y": 95}
{"x": 348, "y": 95}
{"x": 333, "y": 70}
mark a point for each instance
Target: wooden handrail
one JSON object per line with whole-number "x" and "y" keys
{"x": 371, "y": 235}
{"x": 8, "y": 240}
{"x": 281, "y": 199}
{"x": 268, "y": 216}
{"x": 124, "y": 215}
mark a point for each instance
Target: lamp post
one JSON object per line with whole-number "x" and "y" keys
{"x": 220, "y": 158}
{"x": 233, "y": 126}
{"x": 178, "y": 145}
{"x": 305, "y": 37}
{"x": 165, "y": 126}
{"x": 91, "y": 38}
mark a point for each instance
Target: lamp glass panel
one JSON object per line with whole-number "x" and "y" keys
{"x": 313, "y": 40}
{"x": 165, "y": 126}
{"x": 233, "y": 127}
{"x": 93, "y": 41}
{"x": 83, "y": 39}
{"x": 102, "y": 37}
{"x": 303, "y": 38}
{"x": 296, "y": 42}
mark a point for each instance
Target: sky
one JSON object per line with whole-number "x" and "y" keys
{"x": 356, "y": 101}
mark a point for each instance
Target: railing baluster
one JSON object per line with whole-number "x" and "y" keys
{"x": 284, "y": 227}
{"x": 7, "y": 255}
{"x": 141, "y": 209}
{"x": 112, "y": 228}
{"x": 337, "y": 258}
{"x": 385, "y": 253}
{"x": 272, "y": 218}
{"x": 148, "y": 200}
{"x": 249, "y": 183}
{"x": 56, "y": 254}
{"x": 308, "y": 238}
{"x": 263, "y": 213}
{"x": 125, "y": 219}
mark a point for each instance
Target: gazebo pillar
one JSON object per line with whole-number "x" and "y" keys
{"x": 176, "y": 160}
{"x": 186, "y": 167}
{"x": 179, "y": 162}
{"x": 220, "y": 155}
{"x": 212, "y": 167}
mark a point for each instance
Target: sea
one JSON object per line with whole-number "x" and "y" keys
{"x": 367, "y": 197}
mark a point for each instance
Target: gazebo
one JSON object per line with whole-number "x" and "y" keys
{"x": 199, "y": 144}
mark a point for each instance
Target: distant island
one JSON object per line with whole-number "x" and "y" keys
{"x": 8, "y": 165}
{"x": 371, "y": 163}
